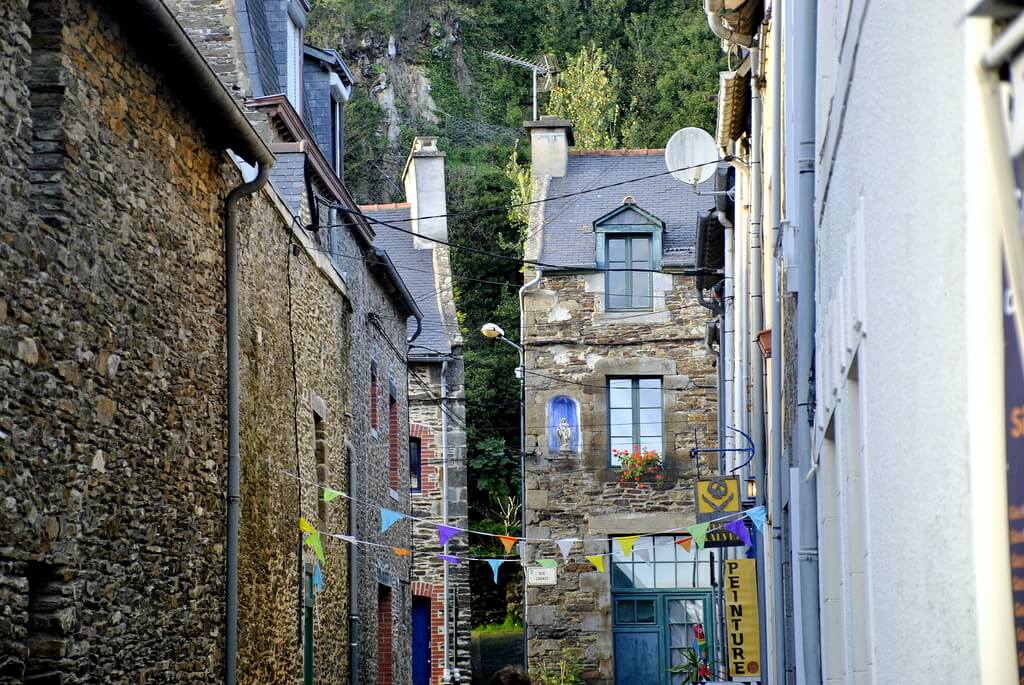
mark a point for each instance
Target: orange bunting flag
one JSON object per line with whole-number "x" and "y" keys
{"x": 402, "y": 552}
{"x": 685, "y": 543}
{"x": 598, "y": 561}
{"x": 508, "y": 542}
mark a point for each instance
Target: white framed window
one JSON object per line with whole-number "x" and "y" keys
{"x": 336, "y": 142}
{"x": 293, "y": 68}
{"x": 634, "y": 417}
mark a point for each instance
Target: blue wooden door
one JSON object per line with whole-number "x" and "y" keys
{"x": 420, "y": 641}
{"x": 653, "y": 632}
{"x": 637, "y": 657}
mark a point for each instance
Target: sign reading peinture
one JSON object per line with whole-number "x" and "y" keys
{"x": 538, "y": 575}
{"x": 743, "y": 640}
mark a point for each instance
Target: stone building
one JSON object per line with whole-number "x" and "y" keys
{"x": 112, "y": 353}
{"x": 614, "y": 360}
{"x": 295, "y": 94}
{"x": 437, "y": 437}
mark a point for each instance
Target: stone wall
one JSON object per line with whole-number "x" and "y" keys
{"x": 112, "y": 379}
{"x": 428, "y": 571}
{"x": 572, "y": 346}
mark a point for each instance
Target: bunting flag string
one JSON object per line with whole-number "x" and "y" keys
{"x": 565, "y": 546}
{"x": 450, "y": 559}
{"x": 626, "y": 544}
{"x": 699, "y": 533}
{"x": 597, "y": 560}
{"x": 753, "y": 513}
{"x": 508, "y": 542}
{"x": 685, "y": 543}
{"x": 446, "y": 533}
{"x": 330, "y": 494}
{"x": 758, "y": 515}
{"x": 739, "y": 529}
{"x": 644, "y": 553}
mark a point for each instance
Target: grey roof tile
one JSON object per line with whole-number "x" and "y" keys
{"x": 417, "y": 270}
{"x": 568, "y": 237}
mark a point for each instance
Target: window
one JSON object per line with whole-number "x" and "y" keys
{"x": 320, "y": 450}
{"x": 336, "y": 141}
{"x": 658, "y": 563}
{"x": 634, "y": 611}
{"x": 634, "y": 416}
{"x": 415, "y": 469}
{"x": 628, "y": 289}
{"x": 393, "y": 442}
{"x": 293, "y": 67}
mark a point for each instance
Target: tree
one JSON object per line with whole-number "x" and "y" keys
{"x": 587, "y": 94}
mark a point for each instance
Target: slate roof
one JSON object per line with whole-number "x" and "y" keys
{"x": 288, "y": 179}
{"x": 417, "y": 270}
{"x": 568, "y": 235}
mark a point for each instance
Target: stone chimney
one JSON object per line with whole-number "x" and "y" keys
{"x": 425, "y": 191}
{"x": 550, "y": 138}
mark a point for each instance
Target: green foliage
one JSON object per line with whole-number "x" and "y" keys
{"x": 522, "y": 188}
{"x": 587, "y": 95}
{"x": 510, "y": 624}
{"x": 365, "y": 146}
{"x": 567, "y": 671}
{"x": 490, "y": 462}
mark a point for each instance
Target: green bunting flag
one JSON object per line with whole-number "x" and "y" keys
{"x": 330, "y": 494}
{"x": 313, "y": 541}
{"x": 548, "y": 563}
{"x": 698, "y": 532}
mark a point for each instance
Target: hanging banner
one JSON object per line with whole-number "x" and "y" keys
{"x": 715, "y": 497}
{"x": 743, "y": 642}
{"x": 1014, "y": 417}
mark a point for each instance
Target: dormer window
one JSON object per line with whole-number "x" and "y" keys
{"x": 629, "y": 252}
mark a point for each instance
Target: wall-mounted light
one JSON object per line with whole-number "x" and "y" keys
{"x": 751, "y": 489}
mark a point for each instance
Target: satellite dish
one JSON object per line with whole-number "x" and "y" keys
{"x": 693, "y": 152}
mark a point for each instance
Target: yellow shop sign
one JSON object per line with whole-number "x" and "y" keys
{"x": 741, "y": 619}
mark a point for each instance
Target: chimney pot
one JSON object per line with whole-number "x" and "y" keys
{"x": 423, "y": 177}
{"x": 550, "y": 138}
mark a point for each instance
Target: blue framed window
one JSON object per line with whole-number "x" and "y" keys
{"x": 635, "y": 420}
{"x": 626, "y": 288}
{"x": 415, "y": 465}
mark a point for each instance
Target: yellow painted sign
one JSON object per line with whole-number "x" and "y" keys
{"x": 741, "y": 619}
{"x": 716, "y": 497}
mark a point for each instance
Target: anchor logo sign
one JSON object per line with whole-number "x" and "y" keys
{"x": 717, "y": 496}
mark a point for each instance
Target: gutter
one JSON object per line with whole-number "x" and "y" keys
{"x": 353, "y": 573}
{"x": 447, "y": 674}
{"x": 522, "y": 448}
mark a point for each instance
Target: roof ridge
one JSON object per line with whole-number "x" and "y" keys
{"x": 386, "y": 205}
{"x": 618, "y": 152}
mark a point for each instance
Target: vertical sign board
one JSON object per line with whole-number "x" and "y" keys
{"x": 716, "y": 497}
{"x": 1014, "y": 398}
{"x": 742, "y": 621}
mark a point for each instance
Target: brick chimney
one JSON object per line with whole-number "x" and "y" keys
{"x": 425, "y": 191}
{"x": 550, "y": 138}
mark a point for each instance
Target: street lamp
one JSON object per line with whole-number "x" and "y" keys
{"x": 495, "y": 332}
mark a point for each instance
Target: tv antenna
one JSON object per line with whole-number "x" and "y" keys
{"x": 544, "y": 66}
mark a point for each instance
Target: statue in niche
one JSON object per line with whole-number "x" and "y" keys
{"x": 563, "y": 426}
{"x": 564, "y": 433}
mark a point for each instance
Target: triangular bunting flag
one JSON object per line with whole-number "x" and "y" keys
{"x": 508, "y": 542}
{"x": 446, "y": 533}
{"x": 389, "y": 518}
{"x": 644, "y": 553}
{"x": 330, "y": 494}
{"x": 344, "y": 538}
{"x": 318, "y": 579}
{"x": 401, "y": 551}
{"x": 313, "y": 540}
{"x": 598, "y": 561}
{"x": 306, "y": 525}
{"x": 739, "y": 529}
{"x": 626, "y": 544}
{"x": 495, "y": 566}
{"x": 758, "y": 515}
{"x": 565, "y": 546}
{"x": 698, "y": 532}
{"x": 685, "y": 543}
{"x": 548, "y": 563}
{"x": 449, "y": 558}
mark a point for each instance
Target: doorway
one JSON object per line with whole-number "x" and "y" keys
{"x": 421, "y": 641}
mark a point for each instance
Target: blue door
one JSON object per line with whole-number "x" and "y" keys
{"x": 653, "y": 633}
{"x": 420, "y": 641}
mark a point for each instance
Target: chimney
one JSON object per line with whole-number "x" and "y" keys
{"x": 550, "y": 138}
{"x": 425, "y": 190}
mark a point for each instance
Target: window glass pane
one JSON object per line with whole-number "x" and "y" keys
{"x": 641, "y": 295}
{"x": 616, "y": 282}
{"x": 641, "y": 252}
{"x": 619, "y": 393}
{"x": 620, "y": 422}
{"x": 616, "y": 250}
{"x": 622, "y": 576}
{"x": 650, "y": 393}
{"x": 665, "y": 549}
{"x": 650, "y": 421}
{"x": 645, "y": 611}
{"x": 654, "y": 444}
{"x": 703, "y": 574}
{"x": 625, "y": 611}
{"x": 681, "y": 552}
{"x": 665, "y": 575}
{"x": 622, "y": 443}
{"x": 643, "y": 576}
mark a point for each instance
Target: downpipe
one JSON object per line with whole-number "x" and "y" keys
{"x": 234, "y": 493}
{"x": 353, "y": 570}
{"x": 522, "y": 452}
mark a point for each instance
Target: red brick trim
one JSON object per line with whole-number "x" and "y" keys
{"x": 435, "y": 592}
{"x": 386, "y": 205}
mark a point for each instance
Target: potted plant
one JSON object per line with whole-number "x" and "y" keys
{"x": 640, "y": 466}
{"x": 694, "y": 668}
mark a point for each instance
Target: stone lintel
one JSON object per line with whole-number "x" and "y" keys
{"x": 638, "y": 524}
